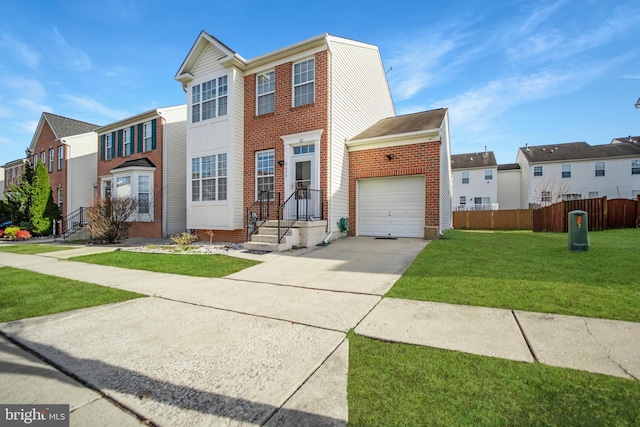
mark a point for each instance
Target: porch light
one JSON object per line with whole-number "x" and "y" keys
{"x": 281, "y": 162}
{"x": 389, "y": 157}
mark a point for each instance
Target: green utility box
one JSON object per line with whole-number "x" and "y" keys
{"x": 578, "y": 231}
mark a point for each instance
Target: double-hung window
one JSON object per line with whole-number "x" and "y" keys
{"x": 144, "y": 194}
{"x": 266, "y": 87}
{"x": 35, "y": 160}
{"x": 465, "y": 177}
{"x": 209, "y": 178}
{"x": 635, "y": 167}
{"x": 60, "y": 157}
{"x": 43, "y": 158}
{"x": 599, "y": 168}
{"x": 303, "y": 82}
{"x": 537, "y": 171}
{"x": 126, "y": 141}
{"x": 566, "y": 171}
{"x": 148, "y": 136}
{"x": 265, "y": 173}
{"x": 463, "y": 201}
{"x": 52, "y": 159}
{"x": 109, "y": 146}
{"x": 545, "y": 197}
{"x": 488, "y": 175}
{"x": 209, "y": 99}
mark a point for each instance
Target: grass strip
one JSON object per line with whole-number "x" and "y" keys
{"x": 27, "y": 294}
{"x": 33, "y": 248}
{"x": 393, "y": 384}
{"x": 188, "y": 265}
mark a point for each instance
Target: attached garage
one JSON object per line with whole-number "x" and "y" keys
{"x": 391, "y": 207}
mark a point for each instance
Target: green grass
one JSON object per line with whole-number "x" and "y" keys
{"x": 529, "y": 271}
{"x": 32, "y": 249}
{"x": 188, "y": 265}
{"x": 27, "y": 294}
{"x": 404, "y": 385}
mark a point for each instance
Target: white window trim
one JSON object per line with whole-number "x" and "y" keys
{"x": 260, "y": 95}
{"x": 603, "y": 168}
{"x": 216, "y": 99}
{"x": 566, "y": 168}
{"x": 108, "y": 147}
{"x": 294, "y": 85}
{"x": 134, "y": 174}
{"x": 273, "y": 153}
{"x": 52, "y": 159}
{"x": 467, "y": 177}
{"x": 216, "y": 176}
{"x": 147, "y": 142}
{"x": 126, "y": 142}
{"x": 60, "y": 157}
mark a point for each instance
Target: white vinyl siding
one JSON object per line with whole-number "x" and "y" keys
{"x": 359, "y": 97}
{"x": 174, "y": 173}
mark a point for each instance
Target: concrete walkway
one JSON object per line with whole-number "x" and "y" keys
{"x": 265, "y": 345}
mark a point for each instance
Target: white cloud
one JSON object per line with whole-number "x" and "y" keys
{"x": 29, "y": 125}
{"x": 27, "y": 55}
{"x": 93, "y": 106}
{"x": 73, "y": 58}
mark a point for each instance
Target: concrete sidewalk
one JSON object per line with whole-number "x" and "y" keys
{"x": 267, "y": 345}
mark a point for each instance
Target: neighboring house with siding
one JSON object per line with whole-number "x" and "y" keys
{"x": 509, "y": 176}
{"x": 475, "y": 181}
{"x": 67, "y": 147}
{"x": 281, "y": 124}
{"x": 144, "y": 156}
{"x": 577, "y": 170}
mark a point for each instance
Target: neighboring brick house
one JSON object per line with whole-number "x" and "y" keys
{"x": 475, "y": 181}
{"x": 67, "y": 147}
{"x": 144, "y": 156}
{"x": 11, "y": 174}
{"x": 279, "y": 124}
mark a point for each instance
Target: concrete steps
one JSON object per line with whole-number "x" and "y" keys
{"x": 302, "y": 234}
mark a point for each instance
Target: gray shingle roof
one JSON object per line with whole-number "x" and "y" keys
{"x": 473, "y": 160}
{"x": 508, "y": 167}
{"x": 64, "y": 126}
{"x": 578, "y": 151}
{"x": 415, "y": 122}
{"x": 143, "y": 162}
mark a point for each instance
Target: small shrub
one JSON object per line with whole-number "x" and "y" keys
{"x": 185, "y": 239}
{"x": 1, "y": 234}
{"x": 11, "y": 231}
{"x": 23, "y": 234}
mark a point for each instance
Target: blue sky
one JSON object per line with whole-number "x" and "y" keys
{"x": 511, "y": 73}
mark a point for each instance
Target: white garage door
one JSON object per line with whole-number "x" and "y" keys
{"x": 391, "y": 207}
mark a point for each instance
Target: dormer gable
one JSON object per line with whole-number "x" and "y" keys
{"x": 207, "y": 46}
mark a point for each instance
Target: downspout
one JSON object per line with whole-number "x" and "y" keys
{"x": 325, "y": 241}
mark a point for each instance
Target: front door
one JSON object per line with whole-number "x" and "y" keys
{"x": 303, "y": 184}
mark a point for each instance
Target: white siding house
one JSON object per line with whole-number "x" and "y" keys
{"x": 551, "y": 173}
{"x": 509, "y": 186}
{"x": 475, "y": 181}
{"x": 82, "y": 170}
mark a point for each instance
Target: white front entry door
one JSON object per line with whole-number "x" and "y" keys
{"x": 302, "y": 183}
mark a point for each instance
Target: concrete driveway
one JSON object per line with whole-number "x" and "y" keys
{"x": 263, "y": 346}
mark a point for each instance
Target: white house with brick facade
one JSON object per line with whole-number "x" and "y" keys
{"x": 277, "y": 130}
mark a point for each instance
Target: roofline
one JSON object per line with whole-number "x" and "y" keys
{"x": 406, "y": 135}
{"x": 137, "y": 117}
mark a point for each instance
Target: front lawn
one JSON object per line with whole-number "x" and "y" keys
{"x": 27, "y": 294}
{"x": 188, "y": 265}
{"x": 529, "y": 271}
{"x": 393, "y": 384}
{"x": 32, "y": 248}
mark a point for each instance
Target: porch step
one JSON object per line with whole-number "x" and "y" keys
{"x": 267, "y": 239}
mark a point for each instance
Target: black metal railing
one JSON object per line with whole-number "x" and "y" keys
{"x": 261, "y": 211}
{"x": 304, "y": 204}
{"x": 71, "y": 223}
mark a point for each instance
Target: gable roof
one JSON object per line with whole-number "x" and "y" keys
{"x": 509, "y": 167}
{"x": 61, "y": 127}
{"x": 407, "y": 124}
{"x": 473, "y": 160}
{"x": 631, "y": 139}
{"x": 578, "y": 151}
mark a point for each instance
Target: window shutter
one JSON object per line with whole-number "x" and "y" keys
{"x": 140, "y": 137}
{"x": 131, "y": 141}
{"x": 113, "y": 144}
{"x": 120, "y": 143}
{"x": 101, "y": 147}
{"x": 153, "y": 134}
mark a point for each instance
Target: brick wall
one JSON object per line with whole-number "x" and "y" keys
{"x": 413, "y": 159}
{"x": 263, "y": 132}
{"x": 140, "y": 229}
{"x": 57, "y": 178}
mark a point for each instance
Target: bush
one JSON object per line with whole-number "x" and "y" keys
{"x": 11, "y": 231}
{"x": 185, "y": 239}
{"x": 23, "y": 234}
{"x": 109, "y": 219}
{"x": 1, "y": 234}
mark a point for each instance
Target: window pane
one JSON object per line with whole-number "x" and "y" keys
{"x": 208, "y": 110}
{"x": 208, "y": 90}
{"x": 266, "y": 104}
{"x": 195, "y": 190}
{"x": 222, "y": 106}
{"x": 123, "y": 186}
{"x": 222, "y": 188}
{"x": 222, "y": 86}
{"x": 222, "y": 165}
{"x": 195, "y": 94}
{"x": 208, "y": 189}
{"x": 303, "y": 95}
{"x": 195, "y": 168}
{"x": 195, "y": 113}
{"x": 208, "y": 169}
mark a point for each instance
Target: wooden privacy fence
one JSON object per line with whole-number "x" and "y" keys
{"x": 514, "y": 219}
{"x": 602, "y": 214}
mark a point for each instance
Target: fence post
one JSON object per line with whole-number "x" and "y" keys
{"x": 605, "y": 213}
